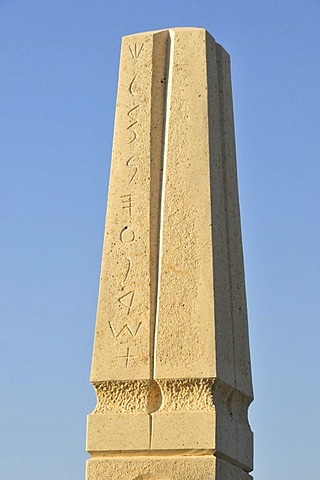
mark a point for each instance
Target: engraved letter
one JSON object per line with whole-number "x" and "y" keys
{"x": 131, "y": 85}
{"x": 135, "y": 50}
{"x": 127, "y": 200}
{"x": 135, "y": 171}
{"x": 127, "y": 300}
{"x": 127, "y": 270}
{"x": 127, "y": 235}
{"x": 123, "y": 329}
{"x": 135, "y": 121}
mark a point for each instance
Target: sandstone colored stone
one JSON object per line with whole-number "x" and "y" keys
{"x": 164, "y": 468}
{"x": 171, "y": 363}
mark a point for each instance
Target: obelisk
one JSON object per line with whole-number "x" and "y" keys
{"x": 171, "y": 363}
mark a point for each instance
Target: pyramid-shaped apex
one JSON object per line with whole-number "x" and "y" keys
{"x": 170, "y": 29}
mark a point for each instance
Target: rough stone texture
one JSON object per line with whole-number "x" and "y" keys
{"x": 171, "y": 363}
{"x": 164, "y": 468}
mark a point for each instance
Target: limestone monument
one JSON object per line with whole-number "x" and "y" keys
{"x": 171, "y": 362}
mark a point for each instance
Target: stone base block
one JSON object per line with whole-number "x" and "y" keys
{"x": 192, "y": 467}
{"x": 118, "y": 432}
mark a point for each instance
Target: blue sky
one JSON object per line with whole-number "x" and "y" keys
{"x": 58, "y": 79}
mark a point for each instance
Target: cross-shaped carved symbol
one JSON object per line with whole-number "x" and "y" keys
{"x": 127, "y": 356}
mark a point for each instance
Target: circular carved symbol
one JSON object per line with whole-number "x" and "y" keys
{"x": 127, "y": 235}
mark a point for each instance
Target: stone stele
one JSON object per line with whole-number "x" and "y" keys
{"x": 171, "y": 363}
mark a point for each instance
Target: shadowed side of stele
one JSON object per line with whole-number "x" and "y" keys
{"x": 171, "y": 362}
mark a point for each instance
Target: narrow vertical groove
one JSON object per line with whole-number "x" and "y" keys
{"x": 159, "y": 217}
{"x": 158, "y": 99}
{"x": 150, "y": 430}
{"x": 166, "y": 116}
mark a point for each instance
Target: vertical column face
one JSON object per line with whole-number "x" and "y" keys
{"x": 125, "y": 318}
{"x": 171, "y": 363}
{"x": 236, "y": 280}
{"x": 185, "y": 323}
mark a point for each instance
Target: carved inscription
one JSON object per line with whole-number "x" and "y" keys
{"x": 125, "y": 328}
{"x": 131, "y": 90}
{"x": 136, "y": 50}
{"x": 132, "y": 125}
{"x": 134, "y": 168}
{"x": 127, "y": 300}
{"x": 127, "y": 357}
{"x": 127, "y": 269}
{"x": 127, "y": 235}
{"x": 127, "y": 203}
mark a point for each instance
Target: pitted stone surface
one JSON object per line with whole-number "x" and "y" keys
{"x": 187, "y": 394}
{"x": 122, "y": 397}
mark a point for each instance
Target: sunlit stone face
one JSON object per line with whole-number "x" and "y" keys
{"x": 171, "y": 363}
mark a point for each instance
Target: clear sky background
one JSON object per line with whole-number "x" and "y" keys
{"x": 58, "y": 79}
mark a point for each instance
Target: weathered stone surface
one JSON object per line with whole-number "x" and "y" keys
{"x": 171, "y": 363}
{"x": 164, "y": 467}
